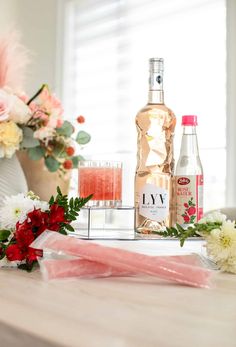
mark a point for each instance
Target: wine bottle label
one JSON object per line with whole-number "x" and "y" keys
{"x": 153, "y": 202}
{"x": 189, "y": 199}
{"x": 156, "y": 81}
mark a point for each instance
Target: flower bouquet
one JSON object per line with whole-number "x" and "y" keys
{"x": 219, "y": 234}
{"x": 46, "y": 135}
{"x": 39, "y": 128}
{"x": 25, "y": 217}
{"x": 35, "y": 125}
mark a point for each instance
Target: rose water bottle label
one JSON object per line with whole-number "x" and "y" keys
{"x": 153, "y": 202}
{"x": 189, "y": 199}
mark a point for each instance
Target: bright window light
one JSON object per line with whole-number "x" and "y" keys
{"x": 107, "y": 47}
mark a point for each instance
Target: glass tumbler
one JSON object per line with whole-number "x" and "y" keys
{"x": 103, "y": 179}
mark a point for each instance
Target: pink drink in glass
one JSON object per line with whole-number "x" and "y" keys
{"x": 103, "y": 180}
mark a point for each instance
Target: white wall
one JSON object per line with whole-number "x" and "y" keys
{"x": 8, "y": 13}
{"x": 37, "y": 22}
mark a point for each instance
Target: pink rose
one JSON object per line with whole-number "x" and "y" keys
{"x": 24, "y": 97}
{"x": 3, "y": 110}
{"x": 4, "y": 105}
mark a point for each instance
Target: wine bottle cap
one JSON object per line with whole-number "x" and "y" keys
{"x": 156, "y": 64}
{"x": 189, "y": 120}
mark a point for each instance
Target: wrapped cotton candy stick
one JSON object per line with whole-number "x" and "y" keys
{"x": 125, "y": 260}
{"x": 82, "y": 268}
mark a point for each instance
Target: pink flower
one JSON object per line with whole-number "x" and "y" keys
{"x": 33, "y": 106}
{"x": 3, "y": 111}
{"x": 44, "y": 133}
{"x": 40, "y": 115}
{"x": 51, "y": 103}
{"x": 59, "y": 123}
{"x": 13, "y": 108}
{"x": 4, "y": 106}
{"x": 24, "y": 97}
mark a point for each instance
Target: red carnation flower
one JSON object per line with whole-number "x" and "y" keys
{"x": 37, "y": 217}
{"x": 24, "y": 235}
{"x": 54, "y": 227}
{"x": 57, "y": 214}
{"x": 191, "y": 210}
{"x": 31, "y": 255}
{"x": 13, "y": 252}
{"x": 38, "y": 221}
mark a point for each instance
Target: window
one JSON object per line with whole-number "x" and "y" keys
{"x": 107, "y": 46}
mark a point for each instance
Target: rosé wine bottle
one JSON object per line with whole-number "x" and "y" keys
{"x": 155, "y": 125}
{"x": 189, "y": 176}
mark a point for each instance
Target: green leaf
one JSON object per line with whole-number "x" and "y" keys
{"x": 63, "y": 231}
{"x": 52, "y": 164}
{"x": 51, "y": 201}
{"x": 60, "y": 150}
{"x": 69, "y": 227}
{"x": 66, "y": 129}
{"x": 82, "y": 137}
{"x": 75, "y": 160}
{"x": 28, "y": 138}
{"x": 28, "y": 266}
{"x": 59, "y": 191}
{"x": 4, "y": 234}
{"x": 36, "y": 153}
{"x": 71, "y": 202}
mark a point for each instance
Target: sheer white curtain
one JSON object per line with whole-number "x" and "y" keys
{"x": 107, "y": 44}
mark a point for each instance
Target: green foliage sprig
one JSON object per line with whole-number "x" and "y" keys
{"x": 198, "y": 229}
{"x": 71, "y": 207}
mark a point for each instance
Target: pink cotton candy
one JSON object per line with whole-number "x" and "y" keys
{"x": 124, "y": 260}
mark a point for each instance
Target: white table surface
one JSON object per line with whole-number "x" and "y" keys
{"x": 117, "y": 312}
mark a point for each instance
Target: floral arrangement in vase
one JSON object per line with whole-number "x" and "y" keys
{"x": 34, "y": 124}
{"x": 46, "y": 135}
{"x": 24, "y": 217}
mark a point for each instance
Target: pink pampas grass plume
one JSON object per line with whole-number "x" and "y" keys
{"x": 14, "y": 58}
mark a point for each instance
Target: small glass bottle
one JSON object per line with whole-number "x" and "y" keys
{"x": 155, "y": 125}
{"x": 189, "y": 176}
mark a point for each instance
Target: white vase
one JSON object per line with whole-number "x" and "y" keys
{"x": 12, "y": 179}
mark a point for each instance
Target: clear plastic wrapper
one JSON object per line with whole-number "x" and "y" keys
{"x": 54, "y": 266}
{"x": 125, "y": 261}
{"x": 78, "y": 268}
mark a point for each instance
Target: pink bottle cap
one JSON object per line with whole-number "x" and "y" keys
{"x": 189, "y": 120}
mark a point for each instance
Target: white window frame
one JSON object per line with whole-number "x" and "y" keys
{"x": 231, "y": 104}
